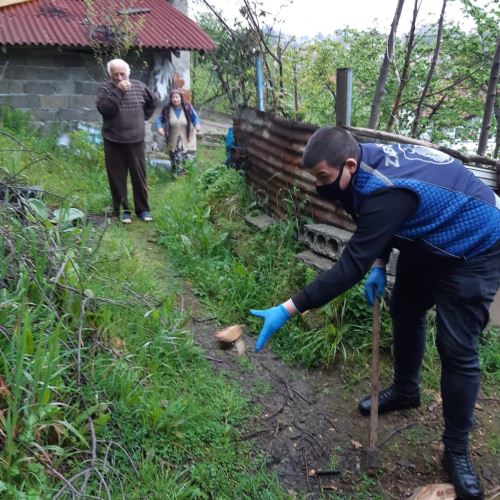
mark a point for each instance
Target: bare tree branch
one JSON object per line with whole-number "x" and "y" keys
{"x": 388, "y": 136}
{"x": 221, "y": 20}
{"x": 410, "y": 45}
{"x": 490, "y": 100}
{"x": 428, "y": 80}
{"x": 384, "y": 68}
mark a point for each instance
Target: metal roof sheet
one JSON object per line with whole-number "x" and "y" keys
{"x": 63, "y": 23}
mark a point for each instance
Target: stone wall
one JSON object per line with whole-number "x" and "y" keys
{"x": 58, "y": 86}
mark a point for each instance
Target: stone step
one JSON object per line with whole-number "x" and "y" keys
{"x": 322, "y": 264}
{"x": 326, "y": 243}
{"x": 313, "y": 259}
{"x": 324, "y": 239}
{"x": 260, "y": 222}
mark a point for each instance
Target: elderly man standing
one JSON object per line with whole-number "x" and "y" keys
{"x": 125, "y": 105}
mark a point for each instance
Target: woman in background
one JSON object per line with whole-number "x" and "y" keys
{"x": 178, "y": 123}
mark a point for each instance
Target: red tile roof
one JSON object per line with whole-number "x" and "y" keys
{"x": 62, "y": 23}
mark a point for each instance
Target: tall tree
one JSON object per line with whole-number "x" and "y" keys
{"x": 489, "y": 104}
{"x": 430, "y": 74}
{"x": 410, "y": 45}
{"x": 231, "y": 63}
{"x": 384, "y": 69}
{"x": 497, "y": 140}
{"x": 233, "y": 58}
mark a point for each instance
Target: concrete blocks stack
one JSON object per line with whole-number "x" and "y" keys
{"x": 330, "y": 241}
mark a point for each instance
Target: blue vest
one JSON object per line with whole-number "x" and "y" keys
{"x": 457, "y": 215}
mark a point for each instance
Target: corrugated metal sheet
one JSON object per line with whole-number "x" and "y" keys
{"x": 62, "y": 23}
{"x": 274, "y": 148}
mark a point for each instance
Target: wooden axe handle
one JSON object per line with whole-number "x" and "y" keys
{"x": 372, "y": 456}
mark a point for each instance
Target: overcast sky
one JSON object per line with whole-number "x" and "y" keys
{"x": 309, "y": 17}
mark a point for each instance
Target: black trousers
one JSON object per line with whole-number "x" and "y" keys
{"x": 462, "y": 293}
{"x": 122, "y": 158}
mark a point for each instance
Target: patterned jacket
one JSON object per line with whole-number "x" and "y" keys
{"x": 124, "y": 113}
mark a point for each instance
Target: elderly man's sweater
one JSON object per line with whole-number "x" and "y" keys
{"x": 124, "y": 113}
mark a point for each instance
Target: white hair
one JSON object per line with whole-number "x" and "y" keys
{"x": 120, "y": 62}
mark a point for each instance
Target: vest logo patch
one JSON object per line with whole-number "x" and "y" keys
{"x": 425, "y": 154}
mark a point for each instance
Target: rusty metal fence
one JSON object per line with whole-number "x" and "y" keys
{"x": 273, "y": 148}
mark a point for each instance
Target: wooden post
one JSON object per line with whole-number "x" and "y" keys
{"x": 372, "y": 453}
{"x": 343, "y": 101}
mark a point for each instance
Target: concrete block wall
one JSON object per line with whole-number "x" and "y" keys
{"x": 330, "y": 241}
{"x": 58, "y": 86}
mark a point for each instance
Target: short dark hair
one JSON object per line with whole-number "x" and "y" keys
{"x": 332, "y": 144}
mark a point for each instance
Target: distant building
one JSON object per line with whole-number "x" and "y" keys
{"x": 48, "y": 67}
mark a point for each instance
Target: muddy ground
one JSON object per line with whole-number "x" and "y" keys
{"x": 307, "y": 423}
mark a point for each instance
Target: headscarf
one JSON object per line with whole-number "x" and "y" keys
{"x": 165, "y": 113}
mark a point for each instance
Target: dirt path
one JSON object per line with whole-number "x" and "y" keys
{"x": 304, "y": 423}
{"x": 307, "y": 420}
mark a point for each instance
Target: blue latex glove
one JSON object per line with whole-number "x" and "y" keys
{"x": 376, "y": 279}
{"x": 274, "y": 319}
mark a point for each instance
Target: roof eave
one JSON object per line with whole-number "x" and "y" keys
{"x": 84, "y": 46}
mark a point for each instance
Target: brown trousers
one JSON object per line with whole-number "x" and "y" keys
{"x": 122, "y": 158}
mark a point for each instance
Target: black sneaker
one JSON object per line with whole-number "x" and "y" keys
{"x": 464, "y": 478}
{"x": 389, "y": 400}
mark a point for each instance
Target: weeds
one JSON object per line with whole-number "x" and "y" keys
{"x": 263, "y": 387}
{"x": 489, "y": 354}
{"x": 100, "y": 393}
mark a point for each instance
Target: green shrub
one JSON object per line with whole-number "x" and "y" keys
{"x": 15, "y": 120}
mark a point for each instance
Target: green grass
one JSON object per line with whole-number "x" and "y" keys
{"x": 365, "y": 488}
{"x": 263, "y": 387}
{"x": 234, "y": 268}
{"x": 334, "y": 462}
{"x": 246, "y": 364}
{"x": 493, "y": 443}
{"x": 162, "y": 420}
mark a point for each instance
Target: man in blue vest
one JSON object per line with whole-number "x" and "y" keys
{"x": 446, "y": 224}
